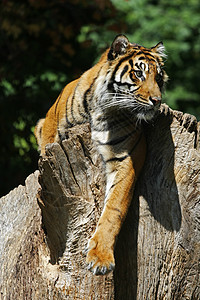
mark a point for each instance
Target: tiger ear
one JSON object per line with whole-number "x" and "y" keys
{"x": 159, "y": 49}
{"x": 118, "y": 47}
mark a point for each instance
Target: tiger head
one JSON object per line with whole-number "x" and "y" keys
{"x": 135, "y": 79}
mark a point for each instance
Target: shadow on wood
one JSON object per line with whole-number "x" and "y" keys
{"x": 157, "y": 193}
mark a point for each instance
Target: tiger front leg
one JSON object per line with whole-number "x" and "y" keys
{"x": 100, "y": 256}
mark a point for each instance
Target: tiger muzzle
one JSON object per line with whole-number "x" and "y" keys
{"x": 155, "y": 100}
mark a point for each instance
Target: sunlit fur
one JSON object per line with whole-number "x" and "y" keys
{"x": 120, "y": 91}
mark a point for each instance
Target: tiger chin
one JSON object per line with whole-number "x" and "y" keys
{"x": 122, "y": 89}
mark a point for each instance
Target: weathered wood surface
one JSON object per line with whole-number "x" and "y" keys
{"x": 20, "y": 240}
{"x": 158, "y": 250}
{"x": 71, "y": 201}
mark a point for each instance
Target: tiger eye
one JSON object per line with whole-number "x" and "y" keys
{"x": 139, "y": 73}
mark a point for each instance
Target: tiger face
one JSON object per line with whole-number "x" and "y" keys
{"x": 137, "y": 79}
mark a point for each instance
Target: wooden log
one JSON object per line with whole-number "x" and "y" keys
{"x": 71, "y": 200}
{"x": 157, "y": 252}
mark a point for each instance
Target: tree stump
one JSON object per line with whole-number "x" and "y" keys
{"x": 158, "y": 249}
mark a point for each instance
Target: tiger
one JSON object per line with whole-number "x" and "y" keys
{"x": 116, "y": 96}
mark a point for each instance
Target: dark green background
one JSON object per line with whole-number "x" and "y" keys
{"x": 45, "y": 44}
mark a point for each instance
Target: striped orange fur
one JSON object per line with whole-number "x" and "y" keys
{"x": 115, "y": 95}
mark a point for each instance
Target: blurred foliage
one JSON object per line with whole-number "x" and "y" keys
{"x": 46, "y": 44}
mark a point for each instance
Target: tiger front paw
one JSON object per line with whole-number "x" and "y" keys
{"x": 100, "y": 259}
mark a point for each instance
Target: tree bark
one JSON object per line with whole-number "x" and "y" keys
{"x": 42, "y": 247}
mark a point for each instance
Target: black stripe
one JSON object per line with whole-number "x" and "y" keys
{"x": 81, "y": 113}
{"x": 123, "y": 72}
{"x": 131, "y": 63}
{"x": 136, "y": 88}
{"x": 151, "y": 59}
{"x": 146, "y": 53}
{"x": 140, "y": 52}
{"x": 136, "y": 64}
{"x": 85, "y": 104}
{"x": 126, "y": 83}
{"x": 149, "y": 54}
{"x": 59, "y": 135}
{"x": 142, "y": 58}
{"x": 40, "y": 131}
{"x": 68, "y": 122}
{"x": 117, "y": 158}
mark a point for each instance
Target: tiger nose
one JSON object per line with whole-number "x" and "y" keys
{"x": 155, "y": 100}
